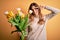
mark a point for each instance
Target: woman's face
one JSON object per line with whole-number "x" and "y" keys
{"x": 36, "y": 10}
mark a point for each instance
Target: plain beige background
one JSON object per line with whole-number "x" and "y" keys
{"x": 52, "y": 27}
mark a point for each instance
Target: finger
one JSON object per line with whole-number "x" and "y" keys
{"x": 42, "y": 6}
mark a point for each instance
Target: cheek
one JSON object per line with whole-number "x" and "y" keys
{"x": 36, "y": 10}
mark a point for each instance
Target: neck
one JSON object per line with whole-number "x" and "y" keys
{"x": 37, "y": 16}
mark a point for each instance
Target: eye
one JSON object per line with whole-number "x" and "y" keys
{"x": 36, "y": 8}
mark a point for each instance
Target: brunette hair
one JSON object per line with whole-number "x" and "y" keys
{"x": 41, "y": 20}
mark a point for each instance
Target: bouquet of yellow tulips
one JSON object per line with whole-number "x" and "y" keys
{"x": 20, "y": 21}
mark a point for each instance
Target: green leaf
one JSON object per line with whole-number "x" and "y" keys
{"x": 17, "y": 18}
{"x": 26, "y": 22}
{"x": 21, "y": 24}
{"x": 17, "y": 27}
{"x": 12, "y": 21}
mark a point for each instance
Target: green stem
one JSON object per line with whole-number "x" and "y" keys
{"x": 22, "y": 36}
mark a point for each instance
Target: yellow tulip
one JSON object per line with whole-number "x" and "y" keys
{"x": 22, "y": 16}
{"x": 20, "y": 12}
{"x": 9, "y": 14}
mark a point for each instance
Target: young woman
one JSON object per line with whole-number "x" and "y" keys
{"x": 37, "y": 29}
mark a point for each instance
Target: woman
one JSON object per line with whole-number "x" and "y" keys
{"x": 37, "y": 29}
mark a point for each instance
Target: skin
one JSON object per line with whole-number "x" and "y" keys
{"x": 36, "y": 10}
{"x": 36, "y": 13}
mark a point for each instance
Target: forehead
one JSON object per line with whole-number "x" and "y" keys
{"x": 34, "y": 7}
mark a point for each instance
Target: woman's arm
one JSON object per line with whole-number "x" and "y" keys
{"x": 53, "y": 10}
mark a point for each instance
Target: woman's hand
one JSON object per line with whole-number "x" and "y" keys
{"x": 42, "y": 6}
{"x": 19, "y": 33}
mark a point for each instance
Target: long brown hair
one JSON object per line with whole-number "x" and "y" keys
{"x": 41, "y": 20}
